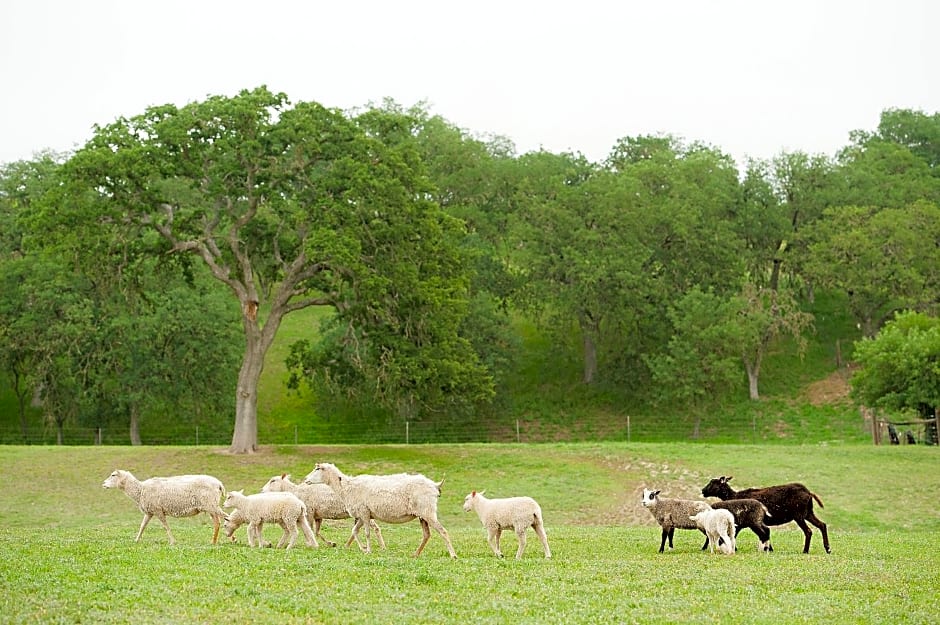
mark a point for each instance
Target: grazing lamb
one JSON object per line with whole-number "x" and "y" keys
{"x": 785, "y": 503}
{"x": 177, "y": 496}
{"x": 718, "y": 526}
{"x": 285, "y": 509}
{"x": 748, "y": 513}
{"x": 235, "y": 519}
{"x": 518, "y": 513}
{"x": 322, "y": 503}
{"x": 390, "y": 498}
{"x": 672, "y": 514}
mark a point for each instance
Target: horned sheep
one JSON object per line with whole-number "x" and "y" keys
{"x": 395, "y": 498}
{"x": 672, "y": 514}
{"x": 285, "y": 509}
{"x": 718, "y": 525}
{"x": 518, "y": 513}
{"x": 322, "y": 503}
{"x": 176, "y": 496}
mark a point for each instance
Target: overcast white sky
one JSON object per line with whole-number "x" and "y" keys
{"x": 751, "y": 77}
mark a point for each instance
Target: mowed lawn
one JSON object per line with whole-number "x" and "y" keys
{"x": 67, "y": 553}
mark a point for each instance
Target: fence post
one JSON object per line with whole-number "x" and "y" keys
{"x": 518, "y": 437}
{"x": 628, "y": 428}
{"x": 295, "y": 434}
{"x": 197, "y": 435}
{"x": 407, "y": 432}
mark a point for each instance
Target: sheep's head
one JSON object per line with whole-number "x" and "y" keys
{"x": 321, "y": 468}
{"x": 699, "y": 518}
{"x": 276, "y": 484}
{"x": 649, "y": 497}
{"x": 232, "y": 522}
{"x": 718, "y": 487}
{"x": 115, "y": 480}
{"x": 231, "y": 496}
{"x": 469, "y": 500}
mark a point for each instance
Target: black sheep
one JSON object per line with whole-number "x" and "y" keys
{"x": 785, "y": 503}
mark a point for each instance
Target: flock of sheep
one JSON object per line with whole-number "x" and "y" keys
{"x": 752, "y": 508}
{"x": 328, "y": 493}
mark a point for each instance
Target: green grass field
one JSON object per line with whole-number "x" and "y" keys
{"x": 67, "y": 553}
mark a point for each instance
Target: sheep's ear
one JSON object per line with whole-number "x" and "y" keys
{"x": 283, "y": 476}
{"x": 729, "y": 479}
{"x": 473, "y": 493}
{"x": 481, "y": 492}
{"x": 655, "y": 493}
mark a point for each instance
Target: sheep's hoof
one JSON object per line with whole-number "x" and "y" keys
{"x": 329, "y": 543}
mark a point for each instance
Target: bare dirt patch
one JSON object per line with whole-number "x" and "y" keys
{"x": 833, "y": 389}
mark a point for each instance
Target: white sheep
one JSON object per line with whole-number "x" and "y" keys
{"x": 322, "y": 503}
{"x": 395, "y": 498}
{"x": 177, "y": 496}
{"x": 718, "y": 525}
{"x": 672, "y": 514}
{"x": 285, "y": 509}
{"x": 518, "y": 513}
{"x": 235, "y": 519}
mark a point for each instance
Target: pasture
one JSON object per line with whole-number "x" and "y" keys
{"x": 67, "y": 553}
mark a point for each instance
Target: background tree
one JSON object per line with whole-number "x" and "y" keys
{"x": 702, "y": 359}
{"x": 883, "y": 259}
{"x": 291, "y": 207}
{"x": 764, "y": 315}
{"x": 898, "y": 368}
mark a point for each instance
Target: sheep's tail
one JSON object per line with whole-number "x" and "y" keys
{"x": 818, "y": 500}
{"x": 441, "y": 484}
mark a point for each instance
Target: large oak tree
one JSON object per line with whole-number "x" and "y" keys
{"x": 291, "y": 206}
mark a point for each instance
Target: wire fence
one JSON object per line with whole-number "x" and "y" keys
{"x": 510, "y": 430}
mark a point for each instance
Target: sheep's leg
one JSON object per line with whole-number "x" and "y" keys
{"x": 216, "y": 524}
{"x": 807, "y": 532}
{"x": 309, "y": 537}
{"x": 291, "y": 530}
{"x": 378, "y": 533}
{"x": 443, "y": 532}
{"x": 424, "y": 540}
{"x": 166, "y": 526}
{"x": 287, "y": 533}
{"x": 540, "y": 532}
{"x": 143, "y": 525}
{"x": 520, "y": 534}
{"x": 492, "y": 537}
{"x": 355, "y": 536}
{"x": 662, "y": 545}
{"x": 317, "y": 523}
{"x": 815, "y": 520}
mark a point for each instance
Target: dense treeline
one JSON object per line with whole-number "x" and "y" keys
{"x": 147, "y": 274}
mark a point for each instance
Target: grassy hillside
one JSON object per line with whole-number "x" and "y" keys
{"x": 803, "y": 400}
{"x": 67, "y": 553}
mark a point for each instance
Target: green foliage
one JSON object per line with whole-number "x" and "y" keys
{"x": 882, "y": 258}
{"x": 899, "y": 369}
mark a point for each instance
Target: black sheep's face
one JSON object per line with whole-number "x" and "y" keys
{"x": 718, "y": 487}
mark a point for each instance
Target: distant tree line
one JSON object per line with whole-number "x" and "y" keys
{"x": 147, "y": 273}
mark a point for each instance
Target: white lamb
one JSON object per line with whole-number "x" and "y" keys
{"x": 235, "y": 519}
{"x": 285, "y": 509}
{"x": 518, "y": 513}
{"x": 177, "y": 496}
{"x": 717, "y": 523}
{"x": 322, "y": 503}
{"x": 390, "y": 498}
